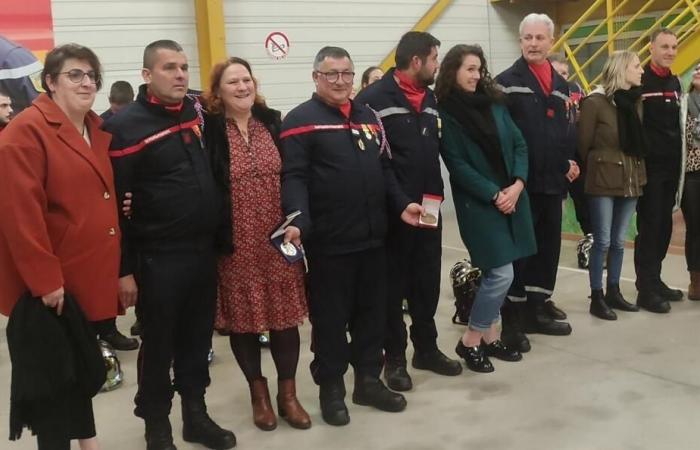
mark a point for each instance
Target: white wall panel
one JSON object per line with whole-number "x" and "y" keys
{"x": 119, "y": 30}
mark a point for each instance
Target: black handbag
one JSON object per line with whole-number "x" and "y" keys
{"x": 465, "y": 283}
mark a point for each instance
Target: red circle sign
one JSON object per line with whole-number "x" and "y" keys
{"x": 277, "y": 45}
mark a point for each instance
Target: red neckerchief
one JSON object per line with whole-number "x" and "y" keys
{"x": 543, "y": 73}
{"x": 2, "y": 127}
{"x": 175, "y": 109}
{"x": 663, "y": 72}
{"x": 414, "y": 93}
{"x": 345, "y": 109}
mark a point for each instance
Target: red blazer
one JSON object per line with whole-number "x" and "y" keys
{"x": 58, "y": 211}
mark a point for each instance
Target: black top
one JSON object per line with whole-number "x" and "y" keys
{"x": 333, "y": 172}
{"x": 158, "y": 155}
{"x": 414, "y": 136}
{"x": 545, "y": 124}
{"x": 661, "y": 102}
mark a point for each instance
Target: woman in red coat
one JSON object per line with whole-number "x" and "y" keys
{"x": 58, "y": 222}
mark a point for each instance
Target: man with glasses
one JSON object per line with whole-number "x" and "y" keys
{"x": 408, "y": 111}
{"x": 167, "y": 246}
{"x": 336, "y": 172}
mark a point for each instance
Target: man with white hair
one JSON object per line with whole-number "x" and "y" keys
{"x": 538, "y": 100}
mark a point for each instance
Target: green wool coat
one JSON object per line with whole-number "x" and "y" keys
{"x": 492, "y": 238}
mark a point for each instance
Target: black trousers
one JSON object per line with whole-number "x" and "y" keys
{"x": 177, "y": 301}
{"x": 347, "y": 292}
{"x": 413, "y": 263}
{"x": 536, "y": 275}
{"x": 578, "y": 196}
{"x": 691, "y": 213}
{"x": 654, "y": 227}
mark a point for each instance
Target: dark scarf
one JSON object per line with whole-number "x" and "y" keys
{"x": 473, "y": 112}
{"x": 629, "y": 125}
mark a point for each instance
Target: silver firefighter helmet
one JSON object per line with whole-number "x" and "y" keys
{"x": 115, "y": 376}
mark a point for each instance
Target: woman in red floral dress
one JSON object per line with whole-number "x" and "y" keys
{"x": 258, "y": 289}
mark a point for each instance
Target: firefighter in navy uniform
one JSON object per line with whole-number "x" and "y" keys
{"x": 409, "y": 114}
{"x": 538, "y": 101}
{"x": 661, "y": 93}
{"x": 336, "y": 172}
{"x": 168, "y": 246}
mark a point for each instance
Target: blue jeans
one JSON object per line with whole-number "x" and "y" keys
{"x": 610, "y": 217}
{"x": 489, "y": 298}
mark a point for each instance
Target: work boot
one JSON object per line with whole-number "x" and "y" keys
{"x": 332, "y": 398}
{"x": 540, "y": 322}
{"x": 672, "y": 295}
{"x": 120, "y": 342}
{"x": 653, "y": 302}
{"x": 370, "y": 391}
{"x": 554, "y": 312}
{"x": 511, "y": 332}
{"x": 136, "y": 328}
{"x": 198, "y": 427}
{"x": 288, "y": 406}
{"x": 694, "y": 286}
{"x": 614, "y": 299}
{"x": 598, "y": 306}
{"x": 437, "y": 362}
{"x": 159, "y": 434}
{"x": 263, "y": 414}
{"x": 396, "y": 376}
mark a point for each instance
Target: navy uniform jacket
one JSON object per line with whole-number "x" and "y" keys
{"x": 545, "y": 124}
{"x": 414, "y": 136}
{"x": 334, "y": 173}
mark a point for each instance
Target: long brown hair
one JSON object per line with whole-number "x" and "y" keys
{"x": 212, "y": 100}
{"x": 447, "y": 76}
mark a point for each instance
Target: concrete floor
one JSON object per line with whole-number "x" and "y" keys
{"x": 632, "y": 384}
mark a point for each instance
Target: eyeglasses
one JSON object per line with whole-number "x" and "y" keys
{"x": 77, "y": 75}
{"x": 333, "y": 76}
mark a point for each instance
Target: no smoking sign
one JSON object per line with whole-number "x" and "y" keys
{"x": 277, "y": 45}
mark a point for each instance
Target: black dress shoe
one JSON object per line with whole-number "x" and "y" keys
{"x": 672, "y": 295}
{"x": 198, "y": 427}
{"x": 653, "y": 302}
{"x": 396, "y": 376}
{"x": 614, "y": 299}
{"x": 437, "y": 362}
{"x": 119, "y": 341}
{"x": 554, "y": 312}
{"x": 332, "y": 398}
{"x": 540, "y": 322}
{"x": 598, "y": 306}
{"x": 497, "y": 349}
{"x": 159, "y": 434}
{"x": 135, "y": 329}
{"x": 474, "y": 357}
{"x": 370, "y": 391}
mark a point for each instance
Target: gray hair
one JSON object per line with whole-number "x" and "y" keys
{"x": 537, "y": 18}
{"x": 333, "y": 53}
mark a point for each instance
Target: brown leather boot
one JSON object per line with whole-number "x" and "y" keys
{"x": 288, "y": 406}
{"x": 694, "y": 287}
{"x": 263, "y": 415}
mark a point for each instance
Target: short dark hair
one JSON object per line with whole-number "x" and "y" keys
{"x": 149, "y": 53}
{"x": 659, "y": 31}
{"x": 4, "y": 93}
{"x": 330, "y": 52}
{"x": 414, "y": 43}
{"x": 447, "y": 77}
{"x": 121, "y": 93}
{"x": 57, "y": 57}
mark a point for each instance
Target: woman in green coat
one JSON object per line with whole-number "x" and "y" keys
{"x": 486, "y": 156}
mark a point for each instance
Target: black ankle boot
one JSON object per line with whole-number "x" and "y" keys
{"x": 396, "y": 376}
{"x": 540, "y": 322}
{"x": 475, "y": 358}
{"x": 614, "y": 299}
{"x": 198, "y": 427}
{"x": 598, "y": 306}
{"x": 159, "y": 434}
{"x": 370, "y": 391}
{"x": 332, "y": 398}
{"x": 512, "y": 335}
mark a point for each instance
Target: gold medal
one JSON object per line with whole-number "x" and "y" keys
{"x": 428, "y": 219}
{"x": 360, "y": 144}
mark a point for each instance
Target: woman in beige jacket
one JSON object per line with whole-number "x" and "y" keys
{"x": 612, "y": 147}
